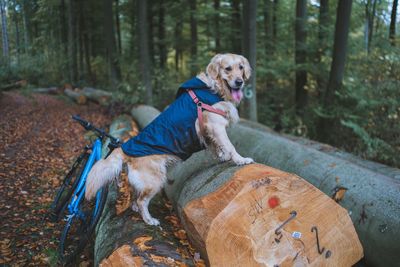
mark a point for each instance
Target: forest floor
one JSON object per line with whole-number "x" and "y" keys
{"x": 38, "y": 143}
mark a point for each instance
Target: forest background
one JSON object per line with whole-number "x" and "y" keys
{"x": 324, "y": 70}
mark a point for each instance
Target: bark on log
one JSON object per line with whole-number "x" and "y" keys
{"x": 77, "y": 96}
{"x": 15, "y": 85}
{"x": 372, "y": 197}
{"x": 49, "y": 90}
{"x": 96, "y": 95}
{"x": 122, "y": 238}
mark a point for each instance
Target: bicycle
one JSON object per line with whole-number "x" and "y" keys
{"x": 81, "y": 216}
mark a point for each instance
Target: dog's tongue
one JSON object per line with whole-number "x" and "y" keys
{"x": 237, "y": 95}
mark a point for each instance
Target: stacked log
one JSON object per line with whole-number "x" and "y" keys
{"x": 369, "y": 191}
{"x": 122, "y": 238}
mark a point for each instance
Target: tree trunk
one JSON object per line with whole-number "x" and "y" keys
{"x": 25, "y": 18}
{"x": 337, "y": 67}
{"x": 193, "y": 37}
{"x": 249, "y": 106}
{"x": 301, "y": 56}
{"x": 111, "y": 48}
{"x": 322, "y": 43}
{"x": 150, "y": 34}
{"x": 268, "y": 10}
{"x": 5, "y": 43}
{"x": 161, "y": 34}
{"x": 122, "y": 238}
{"x": 144, "y": 57}
{"x": 216, "y": 26}
{"x": 369, "y": 23}
{"x": 17, "y": 39}
{"x": 118, "y": 27}
{"x": 72, "y": 54}
{"x": 178, "y": 42}
{"x": 372, "y": 189}
{"x": 275, "y": 22}
{"x": 236, "y": 27}
{"x": 392, "y": 28}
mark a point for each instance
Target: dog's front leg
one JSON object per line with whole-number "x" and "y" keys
{"x": 215, "y": 129}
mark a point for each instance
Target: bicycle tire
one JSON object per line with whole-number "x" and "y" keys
{"x": 68, "y": 186}
{"x": 77, "y": 232}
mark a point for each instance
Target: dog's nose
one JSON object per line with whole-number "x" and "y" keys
{"x": 239, "y": 82}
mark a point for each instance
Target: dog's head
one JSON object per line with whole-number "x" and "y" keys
{"x": 229, "y": 73}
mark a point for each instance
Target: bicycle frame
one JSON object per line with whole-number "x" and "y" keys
{"x": 79, "y": 193}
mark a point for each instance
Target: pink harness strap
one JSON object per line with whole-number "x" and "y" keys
{"x": 200, "y": 107}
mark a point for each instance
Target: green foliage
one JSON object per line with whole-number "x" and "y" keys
{"x": 366, "y": 112}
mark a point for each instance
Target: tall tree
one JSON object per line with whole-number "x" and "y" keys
{"x": 118, "y": 27}
{"x": 144, "y": 56}
{"x": 216, "y": 26}
{"x": 268, "y": 11}
{"x": 193, "y": 37}
{"x": 322, "y": 42}
{"x": 111, "y": 48}
{"x": 249, "y": 107}
{"x": 161, "y": 34}
{"x": 63, "y": 27}
{"x": 392, "y": 27}
{"x": 25, "y": 19}
{"x": 275, "y": 22}
{"x": 301, "y": 56}
{"x": 72, "y": 48}
{"x": 342, "y": 26}
{"x": 236, "y": 44}
{"x": 4, "y": 30}
{"x": 16, "y": 23}
{"x": 370, "y": 12}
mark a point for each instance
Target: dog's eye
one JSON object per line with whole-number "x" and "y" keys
{"x": 228, "y": 68}
{"x": 240, "y": 67}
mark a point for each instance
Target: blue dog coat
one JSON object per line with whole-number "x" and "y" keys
{"x": 173, "y": 131}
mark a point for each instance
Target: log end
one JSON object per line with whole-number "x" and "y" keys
{"x": 242, "y": 223}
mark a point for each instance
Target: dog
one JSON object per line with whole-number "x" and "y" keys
{"x": 205, "y": 106}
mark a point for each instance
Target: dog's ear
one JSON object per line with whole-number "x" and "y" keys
{"x": 213, "y": 68}
{"x": 247, "y": 68}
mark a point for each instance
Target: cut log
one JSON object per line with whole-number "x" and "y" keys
{"x": 77, "y": 96}
{"x": 49, "y": 90}
{"x": 97, "y": 95}
{"x": 236, "y": 216}
{"x": 372, "y": 190}
{"x": 122, "y": 238}
{"x": 15, "y": 85}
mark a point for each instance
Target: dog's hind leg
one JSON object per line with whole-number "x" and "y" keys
{"x": 147, "y": 176}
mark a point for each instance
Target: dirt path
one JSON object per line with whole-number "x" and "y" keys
{"x": 38, "y": 143}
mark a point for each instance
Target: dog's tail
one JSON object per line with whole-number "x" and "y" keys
{"x": 103, "y": 172}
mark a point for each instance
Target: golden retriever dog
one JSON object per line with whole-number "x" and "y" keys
{"x": 225, "y": 76}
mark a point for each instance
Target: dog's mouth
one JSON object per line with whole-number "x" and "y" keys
{"x": 236, "y": 92}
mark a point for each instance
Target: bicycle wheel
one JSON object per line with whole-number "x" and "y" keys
{"x": 68, "y": 186}
{"x": 79, "y": 229}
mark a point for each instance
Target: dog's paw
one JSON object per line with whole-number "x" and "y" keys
{"x": 152, "y": 221}
{"x": 243, "y": 161}
{"x": 135, "y": 207}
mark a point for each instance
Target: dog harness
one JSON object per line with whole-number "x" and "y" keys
{"x": 174, "y": 131}
{"x": 200, "y": 107}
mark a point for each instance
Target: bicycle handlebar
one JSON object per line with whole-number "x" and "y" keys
{"x": 90, "y": 127}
